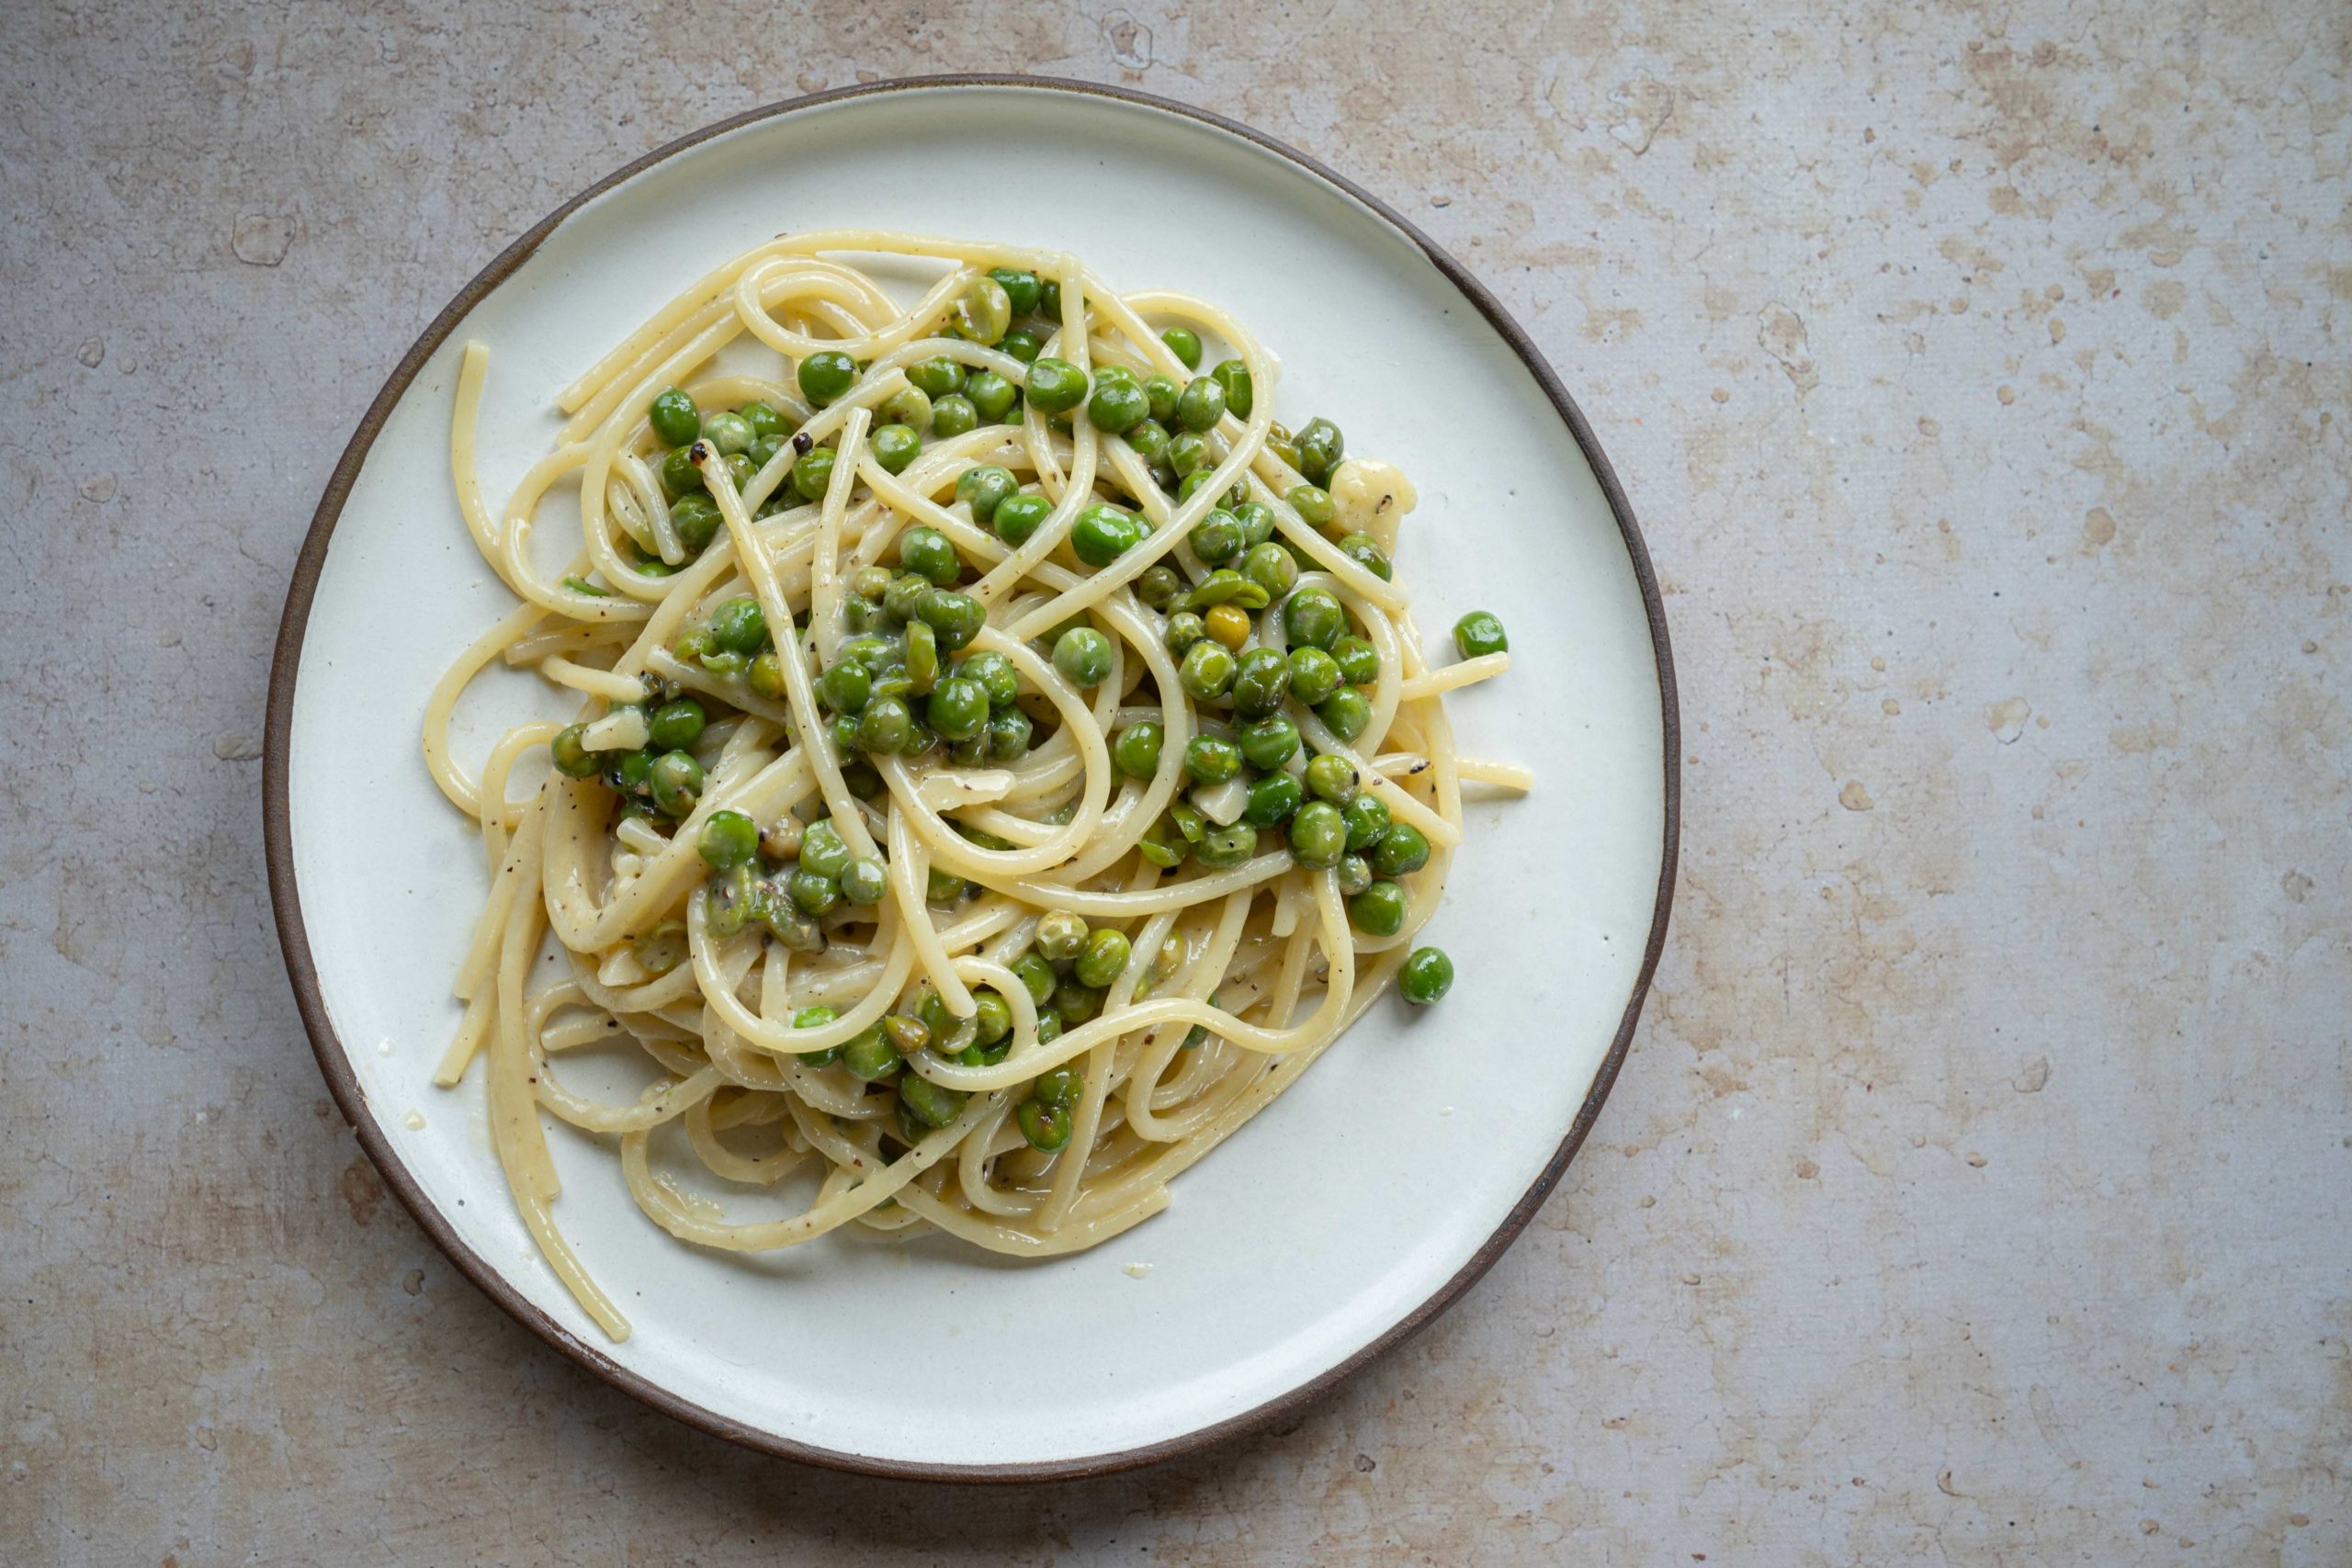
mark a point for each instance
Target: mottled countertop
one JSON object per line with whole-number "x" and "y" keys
{"x": 1980, "y": 1185}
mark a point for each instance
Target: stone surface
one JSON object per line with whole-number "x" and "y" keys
{"x": 1977, "y": 1189}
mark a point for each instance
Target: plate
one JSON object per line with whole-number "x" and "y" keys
{"x": 1357, "y": 1206}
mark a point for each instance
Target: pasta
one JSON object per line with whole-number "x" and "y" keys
{"x": 1002, "y": 760}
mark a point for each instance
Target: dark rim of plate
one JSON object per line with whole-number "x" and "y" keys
{"x": 335, "y": 1062}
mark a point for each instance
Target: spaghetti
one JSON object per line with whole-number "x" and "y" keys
{"x": 1003, "y": 762}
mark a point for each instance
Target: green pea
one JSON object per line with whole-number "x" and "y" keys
{"x": 1055, "y": 385}
{"x": 1313, "y": 618}
{"x": 720, "y": 663}
{"x": 631, "y": 773}
{"x": 1117, "y": 405}
{"x": 1009, "y": 735}
{"x": 729, "y": 433}
{"x": 1365, "y": 551}
{"x": 1049, "y": 299}
{"x": 1084, "y": 656}
{"x": 990, "y": 395}
{"x": 1358, "y": 661}
{"x": 1045, "y": 1126}
{"x": 1226, "y": 586}
{"x": 1036, "y": 977}
{"x": 958, "y": 709}
{"x": 1402, "y": 850}
{"x": 906, "y": 1034}
{"x": 739, "y": 626}
{"x": 983, "y": 311}
{"x": 1269, "y": 743}
{"x": 812, "y": 473}
{"x": 937, "y": 377}
{"x": 1186, "y": 345}
{"x": 1102, "y": 534}
{"x": 1202, "y": 403}
{"x": 1215, "y": 538}
{"x": 1331, "y": 778}
{"x": 1022, "y": 343}
{"x": 1210, "y": 760}
{"x": 817, "y": 1018}
{"x": 930, "y": 1104}
{"x": 675, "y": 417}
{"x": 813, "y": 892}
{"x": 927, "y": 553}
{"x": 921, "y": 667}
{"x": 861, "y": 778}
{"x": 870, "y": 1056}
{"x": 826, "y": 375}
{"x": 909, "y": 405}
{"x": 845, "y": 732}
{"x": 1225, "y": 848}
{"x": 1021, "y": 289}
{"x": 1478, "y": 632}
{"x": 1318, "y": 835}
{"x": 905, "y": 595}
{"x": 953, "y": 415}
{"x": 1198, "y": 479}
{"x": 1312, "y": 502}
{"x": 697, "y": 519}
{"x": 1188, "y": 452}
{"x": 822, "y": 849}
{"x": 995, "y": 674}
{"x": 1320, "y": 446}
{"x": 1259, "y": 682}
{"x": 943, "y": 887}
{"x": 572, "y": 758}
{"x": 846, "y": 687}
{"x": 675, "y": 780}
{"x": 740, "y": 469}
{"x": 678, "y": 724}
{"x": 1355, "y": 874}
{"x": 1017, "y": 517}
{"x": 679, "y": 475}
{"x": 1149, "y": 439}
{"x": 1368, "y": 819}
{"x": 1273, "y": 800}
{"x": 984, "y": 487}
{"x": 1162, "y": 395}
{"x": 788, "y": 925}
{"x": 1159, "y": 586}
{"x": 728, "y": 900}
{"x": 728, "y": 838}
{"x": 864, "y": 880}
{"x": 763, "y": 450}
{"x": 1102, "y": 960}
{"x": 1379, "y": 909}
{"x": 1314, "y": 675}
{"x": 1271, "y": 568}
{"x": 896, "y": 447}
{"x": 1346, "y": 712}
{"x": 1164, "y": 845}
{"x": 1136, "y": 751}
{"x": 1234, "y": 377}
{"x": 992, "y": 1019}
{"x": 763, "y": 420}
{"x": 1207, "y": 670}
{"x": 884, "y": 726}
{"x": 1185, "y": 630}
{"x": 1257, "y": 521}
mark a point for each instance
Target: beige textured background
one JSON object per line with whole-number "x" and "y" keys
{"x": 1977, "y": 1188}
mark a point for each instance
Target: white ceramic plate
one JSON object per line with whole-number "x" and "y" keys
{"x": 1348, "y": 1213}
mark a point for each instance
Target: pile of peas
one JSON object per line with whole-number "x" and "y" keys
{"x": 892, "y": 692}
{"x": 1067, "y": 970}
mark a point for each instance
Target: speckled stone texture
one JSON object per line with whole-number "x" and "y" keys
{"x": 1977, "y": 1188}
